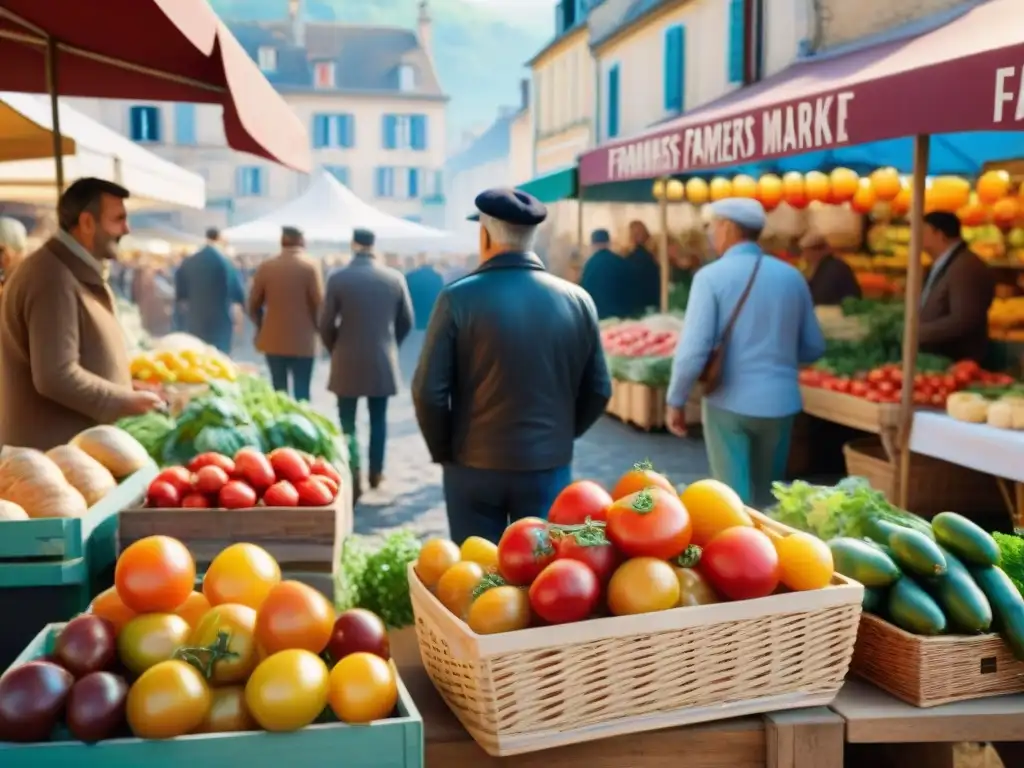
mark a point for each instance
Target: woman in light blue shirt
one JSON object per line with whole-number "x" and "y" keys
{"x": 748, "y": 419}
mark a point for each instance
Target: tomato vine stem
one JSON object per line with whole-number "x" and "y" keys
{"x": 644, "y": 501}
{"x": 490, "y": 581}
{"x": 690, "y": 557}
{"x": 590, "y": 533}
{"x": 205, "y": 657}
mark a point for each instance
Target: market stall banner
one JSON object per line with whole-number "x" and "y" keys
{"x": 965, "y": 76}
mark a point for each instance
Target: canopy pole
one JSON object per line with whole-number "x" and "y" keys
{"x": 580, "y": 260}
{"x": 54, "y": 92}
{"x": 911, "y": 315}
{"x": 663, "y": 243}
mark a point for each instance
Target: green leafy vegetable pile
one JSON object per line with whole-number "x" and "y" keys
{"x": 375, "y": 578}
{"x": 1011, "y": 549}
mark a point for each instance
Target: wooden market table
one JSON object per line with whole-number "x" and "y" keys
{"x": 880, "y": 419}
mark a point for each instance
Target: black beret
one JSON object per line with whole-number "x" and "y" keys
{"x": 292, "y": 233}
{"x": 511, "y": 206}
{"x": 600, "y": 237}
{"x": 363, "y": 237}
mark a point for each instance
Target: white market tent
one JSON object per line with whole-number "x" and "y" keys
{"x": 328, "y": 211}
{"x": 90, "y": 149}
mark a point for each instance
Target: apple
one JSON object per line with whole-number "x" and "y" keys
{"x": 358, "y": 630}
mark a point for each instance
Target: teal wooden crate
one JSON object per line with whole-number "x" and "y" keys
{"x": 393, "y": 743}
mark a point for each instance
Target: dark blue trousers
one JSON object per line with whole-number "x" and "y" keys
{"x": 378, "y": 407}
{"x": 482, "y": 502}
{"x": 300, "y": 369}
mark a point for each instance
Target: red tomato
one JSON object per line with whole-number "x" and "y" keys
{"x": 209, "y": 480}
{"x": 313, "y": 492}
{"x": 601, "y": 558}
{"x": 289, "y": 465}
{"x": 195, "y": 501}
{"x": 842, "y": 385}
{"x": 162, "y": 494}
{"x": 322, "y": 466}
{"x": 566, "y": 590}
{"x": 877, "y": 375}
{"x": 179, "y": 477}
{"x": 641, "y": 476}
{"x": 1001, "y": 379}
{"x": 524, "y": 550}
{"x": 939, "y": 399}
{"x": 810, "y": 377}
{"x": 254, "y": 468}
{"x": 579, "y": 501}
{"x": 886, "y": 387}
{"x": 741, "y": 564}
{"x": 873, "y": 396}
{"x": 858, "y": 388}
{"x": 329, "y": 482}
{"x": 211, "y": 459}
{"x": 236, "y": 495}
{"x": 649, "y": 523}
{"x": 281, "y": 494}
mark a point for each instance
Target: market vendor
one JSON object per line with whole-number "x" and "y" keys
{"x": 606, "y": 277}
{"x": 956, "y": 295}
{"x": 62, "y": 351}
{"x": 830, "y": 278}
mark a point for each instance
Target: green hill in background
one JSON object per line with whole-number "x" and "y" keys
{"x": 479, "y": 51}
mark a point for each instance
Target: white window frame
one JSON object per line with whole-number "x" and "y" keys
{"x": 266, "y": 57}
{"x": 406, "y": 78}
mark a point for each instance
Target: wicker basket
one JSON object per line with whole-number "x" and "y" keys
{"x": 929, "y": 671}
{"x": 551, "y": 686}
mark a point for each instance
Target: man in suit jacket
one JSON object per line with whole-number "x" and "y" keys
{"x": 511, "y": 373}
{"x": 831, "y": 279}
{"x": 957, "y": 293}
{"x": 284, "y": 303}
{"x": 367, "y": 313}
{"x": 206, "y": 287}
{"x": 425, "y": 283}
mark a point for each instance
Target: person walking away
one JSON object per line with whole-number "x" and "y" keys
{"x": 62, "y": 352}
{"x": 609, "y": 279}
{"x": 367, "y": 314}
{"x": 207, "y": 286}
{"x": 425, "y": 284}
{"x": 831, "y": 279}
{"x": 13, "y": 243}
{"x": 511, "y": 373}
{"x": 755, "y": 313}
{"x": 284, "y": 303}
{"x": 956, "y": 295}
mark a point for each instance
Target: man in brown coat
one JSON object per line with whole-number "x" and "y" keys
{"x": 62, "y": 353}
{"x": 284, "y": 302}
{"x": 957, "y": 293}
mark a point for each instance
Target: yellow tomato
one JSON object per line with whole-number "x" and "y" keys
{"x": 643, "y": 585}
{"x": 148, "y": 639}
{"x": 713, "y": 507}
{"x": 168, "y": 700}
{"x": 238, "y": 624}
{"x": 242, "y": 573}
{"x": 455, "y": 587}
{"x": 436, "y": 557}
{"x": 805, "y": 561}
{"x": 480, "y": 551}
{"x": 288, "y": 690}
{"x": 228, "y": 712}
{"x": 193, "y": 376}
{"x": 362, "y": 689}
{"x": 499, "y": 609}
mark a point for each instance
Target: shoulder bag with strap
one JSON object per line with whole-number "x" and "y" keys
{"x": 711, "y": 376}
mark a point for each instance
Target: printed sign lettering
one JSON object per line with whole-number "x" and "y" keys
{"x": 1009, "y": 101}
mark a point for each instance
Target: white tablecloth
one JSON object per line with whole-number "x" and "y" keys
{"x": 998, "y": 452}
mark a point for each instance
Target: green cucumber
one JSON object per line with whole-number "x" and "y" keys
{"x": 913, "y": 609}
{"x": 961, "y": 598}
{"x": 861, "y": 561}
{"x": 912, "y": 550}
{"x": 874, "y": 600}
{"x": 965, "y": 539}
{"x": 1007, "y": 605}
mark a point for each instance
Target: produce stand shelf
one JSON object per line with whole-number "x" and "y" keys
{"x": 854, "y": 412}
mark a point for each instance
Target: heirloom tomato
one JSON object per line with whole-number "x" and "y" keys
{"x": 694, "y": 589}
{"x": 649, "y": 523}
{"x": 436, "y": 557}
{"x": 643, "y": 585}
{"x": 565, "y": 591}
{"x": 150, "y": 638}
{"x": 314, "y": 492}
{"x": 236, "y": 495}
{"x": 281, "y": 494}
{"x": 225, "y": 640}
{"x": 154, "y": 574}
{"x": 168, "y": 700}
{"x": 741, "y": 564}
{"x": 194, "y": 608}
{"x": 455, "y": 587}
{"x": 713, "y": 506}
{"x": 288, "y": 690}
{"x": 499, "y": 609}
{"x": 641, "y": 476}
{"x": 212, "y": 459}
{"x": 577, "y": 502}
{"x": 480, "y": 551}
{"x": 588, "y": 545}
{"x": 228, "y": 712}
{"x": 524, "y": 550}
{"x": 362, "y": 688}
{"x": 162, "y": 495}
{"x": 179, "y": 477}
{"x": 323, "y": 468}
{"x": 805, "y": 562}
{"x": 108, "y": 605}
{"x": 289, "y": 465}
{"x": 254, "y": 468}
{"x": 209, "y": 480}
{"x": 294, "y": 615}
{"x": 242, "y": 573}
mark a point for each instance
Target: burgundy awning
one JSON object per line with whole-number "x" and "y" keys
{"x": 164, "y": 50}
{"x": 965, "y": 76}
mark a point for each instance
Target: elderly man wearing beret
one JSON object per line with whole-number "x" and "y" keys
{"x": 366, "y": 314}
{"x": 511, "y": 373}
{"x": 755, "y": 315}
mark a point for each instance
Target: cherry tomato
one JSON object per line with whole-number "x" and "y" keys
{"x": 162, "y": 495}
{"x": 591, "y": 549}
{"x": 294, "y": 615}
{"x": 362, "y": 688}
{"x": 322, "y": 467}
{"x": 713, "y": 506}
{"x": 194, "y": 608}
{"x": 212, "y": 459}
{"x": 694, "y": 588}
{"x": 168, "y": 700}
{"x": 254, "y": 468}
{"x": 649, "y": 523}
{"x": 289, "y": 465}
{"x": 565, "y": 591}
{"x": 877, "y": 376}
{"x": 436, "y": 556}
{"x": 209, "y": 480}
{"x": 805, "y": 562}
{"x": 155, "y": 574}
{"x": 288, "y": 690}
{"x": 233, "y": 660}
{"x": 313, "y": 492}
{"x": 643, "y": 585}
{"x": 358, "y": 630}
{"x": 499, "y": 609}
{"x": 151, "y": 638}
{"x": 842, "y": 385}
{"x": 579, "y": 501}
{"x": 236, "y": 495}
{"x": 480, "y": 551}
{"x": 281, "y": 494}
{"x": 195, "y": 501}
{"x": 524, "y": 550}
{"x": 886, "y": 387}
{"x": 858, "y": 388}
{"x": 228, "y": 712}
{"x": 741, "y": 564}
{"x": 108, "y": 605}
{"x": 242, "y": 573}
{"x": 640, "y": 477}
{"x": 456, "y": 585}
{"x": 179, "y": 477}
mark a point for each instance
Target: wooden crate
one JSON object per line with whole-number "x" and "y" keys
{"x": 854, "y": 412}
{"x": 646, "y": 407}
{"x": 618, "y": 404}
{"x": 929, "y": 671}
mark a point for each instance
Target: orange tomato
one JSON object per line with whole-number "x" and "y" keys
{"x": 844, "y": 184}
{"x": 436, "y": 557}
{"x": 864, "y": 198}
{"x": 641, "y": 476}
{"x": 817, "y": 186}
{"x": 886, "y": 183}
{"x": 794, "y": 190}
{"x": 155, "y": 575}
{"x": 805, "y": 561}
{"x": 770, "y": 191}
{"x": 107, "y": 605}
{"x": 294, "y": 616}
{"x": 993, "y": 186}
{"x": 1006, "y": 212}
{"x": 713, "y": 506}
{"x": 643, "y": 585}
{"x": 228, "y": 712}
{"x": 168, "y": 700}
{"x": 949, "y": 193}
{"x": 649, "y": 523}
{"x": 243, "y": 574}
{"x": 362, "y": 688}
{"x": 238, "y": 624}
{"x": 455, "y": 587}
{"x": 974, "y": 214}
{"x": 499, "y": 609}
{"x": 194, "y": 608}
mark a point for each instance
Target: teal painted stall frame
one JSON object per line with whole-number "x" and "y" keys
{"x": 393, "y": 743}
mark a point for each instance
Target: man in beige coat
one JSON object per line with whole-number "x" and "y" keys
{"x": 62, "y": 351}
{"x": 284, "y": 302}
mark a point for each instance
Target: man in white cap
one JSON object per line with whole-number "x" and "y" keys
{"x": 755, "y": 314}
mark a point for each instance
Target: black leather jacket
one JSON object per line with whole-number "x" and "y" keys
{"x": 512, "y": 369}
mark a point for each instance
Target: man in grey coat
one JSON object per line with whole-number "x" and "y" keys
{"x": 366, "y": 314}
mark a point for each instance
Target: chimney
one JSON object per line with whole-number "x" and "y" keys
{"x": 295, "y": 16}
{"x": 423, "y": 30}
{"x": 524, "y": 91}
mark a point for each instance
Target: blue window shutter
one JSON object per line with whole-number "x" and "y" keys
{"x": 154, "y": 123}
{"x": 737, "y": 40}
{"x": 240, "y": 181}
{"x": 319, "y": 131}
{"x": 259, "y": 178}
{"x": 185, "y": 124}
{"x": 346, "y": 131}
{"x": 390, "y": 138}
{"x": 413, "y": 188}
{"x": 682, "y": 69}
{"x": 613, "y": 102}
{"x": 135, "y": 123}
{"x": 418, "y": 131}
{"x": 378, "y": 182}
{"x": 673, "y": 68}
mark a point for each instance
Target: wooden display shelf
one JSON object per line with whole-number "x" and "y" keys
{"x": 880, "y": 419}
